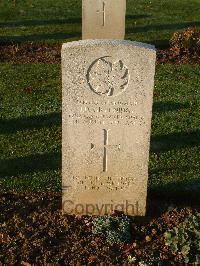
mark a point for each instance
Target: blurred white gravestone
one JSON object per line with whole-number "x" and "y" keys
{"x": 103, "y": 19}
{"x": 106, "y": 122}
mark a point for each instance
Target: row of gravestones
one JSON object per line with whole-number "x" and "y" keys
{"x": 106, "y": 115}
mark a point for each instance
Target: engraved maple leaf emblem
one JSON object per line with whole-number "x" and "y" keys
{"x": 108, "y": 78}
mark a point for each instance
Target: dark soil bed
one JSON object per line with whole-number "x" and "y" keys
{"x": 50, "y": 54}
{"x": 33, "y": 231}
{"x": 30, "y": 53}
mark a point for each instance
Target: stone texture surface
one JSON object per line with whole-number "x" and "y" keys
{"x": 106, "y": 122}
{"x": 103, "y": 19}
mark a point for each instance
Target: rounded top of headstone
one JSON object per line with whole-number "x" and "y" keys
{"x": 85, "y": 43}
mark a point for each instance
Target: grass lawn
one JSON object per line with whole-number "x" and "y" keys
{"x": 58, "y": 21}
{"x": 30, "y": 131}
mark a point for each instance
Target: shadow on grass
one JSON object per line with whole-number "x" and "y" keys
{"x": 28, "y": 23}
{"x": 186, "y": 190}
{"x": 172, "y": 141}
{"x": 177, "y": 194}
{"x": 30, "y": 164}
{"x": 32, "y": 122}
{"x": 159, "y": 107}
{"x": 130, "y": 17}
{"x": 160, "y": 44}
{"x": 152, "y": 28}
{"x": 38, "y": 37}
{"x": 180, "y": 169}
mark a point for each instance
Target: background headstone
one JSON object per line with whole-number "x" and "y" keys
{"x": 103, "y": 19}
{"x": 107, "y": 108}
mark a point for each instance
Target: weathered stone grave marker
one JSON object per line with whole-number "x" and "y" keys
{"x": 107, "y": 107}
{"x": 103, "y": 19}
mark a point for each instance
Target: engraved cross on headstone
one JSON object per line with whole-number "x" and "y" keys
{"x": 103, "y": 13}
{"x": 105, "y": 147}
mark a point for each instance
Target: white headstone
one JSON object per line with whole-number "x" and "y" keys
{"x": 107, "y": 108}
{"x": 103, "y": 19}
